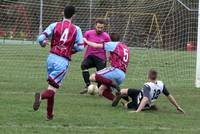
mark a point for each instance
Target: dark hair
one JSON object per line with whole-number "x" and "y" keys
{"x": 69, "y": 11}
{"x": 101, "y": 21}
{"x": 115, "y": 37}
{"x": 152, "y": 75}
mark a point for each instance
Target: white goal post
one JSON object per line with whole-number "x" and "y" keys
{"x": 198, "y": 52}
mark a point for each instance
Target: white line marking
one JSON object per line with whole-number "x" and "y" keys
{"x": 98, "y": 127}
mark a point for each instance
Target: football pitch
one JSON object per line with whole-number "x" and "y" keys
{"x": 23, "y": 72}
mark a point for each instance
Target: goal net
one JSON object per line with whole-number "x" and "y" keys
{"x": 162, "y": 34}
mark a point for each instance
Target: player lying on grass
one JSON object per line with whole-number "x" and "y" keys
{"x": 114, "y": 75}
{"x": 66, "y": 39}
{"x": 144, "y": 99}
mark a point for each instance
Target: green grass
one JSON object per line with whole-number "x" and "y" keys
{"x": 22, "y": 69}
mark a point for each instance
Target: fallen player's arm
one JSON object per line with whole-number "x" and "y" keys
{"x": 173, "y": 101}
{"x": 93, "y": 44}
{"x": 144, "y": 101}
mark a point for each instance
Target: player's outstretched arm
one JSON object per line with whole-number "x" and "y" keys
{"x": 144, "y": 101}
{"x": 93, "y": 44}
{"x": 173, "y": 101}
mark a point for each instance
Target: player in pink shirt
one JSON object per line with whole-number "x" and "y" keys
{"x": 114, "y": 75}
{"x": 66, "y": 39}
{"x": 94, "y": 57}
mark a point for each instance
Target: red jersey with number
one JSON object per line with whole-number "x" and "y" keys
{"x": 63, "y": 39}
{"x": 119, "y": 54}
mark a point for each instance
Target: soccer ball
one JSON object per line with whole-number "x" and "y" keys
{"x": 92, "y": 89}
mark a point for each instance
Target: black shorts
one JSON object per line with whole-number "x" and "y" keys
{"x": 93, "y": 61}
{"x": 133, "y": 93}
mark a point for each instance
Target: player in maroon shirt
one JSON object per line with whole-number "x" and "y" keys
{"x": 114, "y": 75}
{"x": 66, "y": 39}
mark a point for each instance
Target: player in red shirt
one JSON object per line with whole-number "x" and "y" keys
{"x": 66, "y": 39}
{"x": 114, "y": 75}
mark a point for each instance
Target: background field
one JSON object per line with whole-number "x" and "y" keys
{"x": 22, "y": 71}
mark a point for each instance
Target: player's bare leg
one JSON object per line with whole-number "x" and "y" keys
{"x": 92, "y": 78}
{"x": 108, "y": 83}
{"x": 106, "y": 92}
{"x": 104, "y": 89}
{"x": 98, "y": 78}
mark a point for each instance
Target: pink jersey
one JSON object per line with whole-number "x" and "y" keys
{"x": 93, "y": 37}
{"x": 119, "y": 55}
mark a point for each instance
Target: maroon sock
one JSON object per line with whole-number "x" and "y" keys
{"x": 108, "y": 94}
{"x": 47, "y": 94}
{"x": 50, "y": 104}
{"x": 103, "y": 80}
